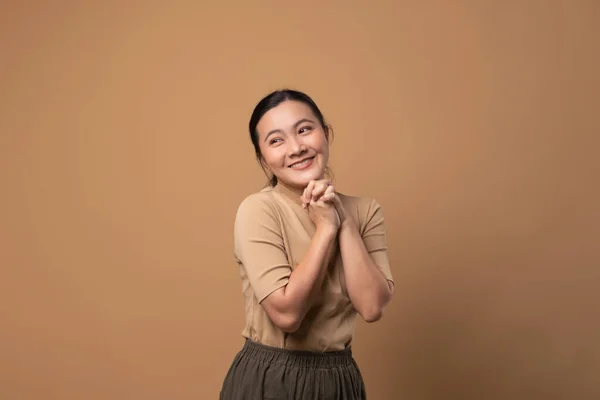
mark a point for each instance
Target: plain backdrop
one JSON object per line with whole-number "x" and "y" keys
{"x": 124, "y": 154}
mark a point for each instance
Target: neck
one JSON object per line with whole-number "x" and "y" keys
{"x": 291, "y": 192}
{"x": 290, "y": 188}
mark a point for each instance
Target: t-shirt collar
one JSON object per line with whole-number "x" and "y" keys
{"x": 287, "y": 192}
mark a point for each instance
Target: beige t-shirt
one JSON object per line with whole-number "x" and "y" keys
{"x": 271, "y": 236}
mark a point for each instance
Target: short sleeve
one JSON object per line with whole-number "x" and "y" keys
{"x": 374, "y": 237}
{"x": 259, "y": 246}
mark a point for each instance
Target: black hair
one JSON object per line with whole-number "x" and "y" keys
{"x": 271, "y": 101}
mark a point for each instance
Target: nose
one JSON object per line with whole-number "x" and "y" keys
{"x": 295, "y": 147}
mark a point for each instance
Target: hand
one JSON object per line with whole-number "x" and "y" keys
{"x": 339, "y": 207}
{"x": 325, "y": 191}
{"x": 314, "y": 190}
{"x": 323, "y": 213}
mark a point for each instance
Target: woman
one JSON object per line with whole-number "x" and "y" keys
{"x": 310, "y": 259}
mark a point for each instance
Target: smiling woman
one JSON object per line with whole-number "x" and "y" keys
{"x": 310, "y": 259}
{"x": 290, "y": 118}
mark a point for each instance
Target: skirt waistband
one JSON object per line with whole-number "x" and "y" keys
{"x": 301, "y": 358}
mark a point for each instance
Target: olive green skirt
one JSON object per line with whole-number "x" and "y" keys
{"x": 260, "y": 372}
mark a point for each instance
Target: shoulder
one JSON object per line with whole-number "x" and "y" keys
{"x": 257, "y": 216}
{"x": 361, "y": 203}
{"x": 365, "y": 210}
{"x": 258, "y": 203}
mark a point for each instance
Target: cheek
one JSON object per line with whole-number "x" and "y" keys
{"x": 273, "y": 157}
{"x": 320, "y": 144}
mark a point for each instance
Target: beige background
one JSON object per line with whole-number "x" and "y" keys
{"x": 124, "y": 154}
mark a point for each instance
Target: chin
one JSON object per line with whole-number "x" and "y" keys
{"x": 304, "y": 180}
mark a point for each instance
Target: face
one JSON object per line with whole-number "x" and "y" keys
{"x": 293, "y": 144}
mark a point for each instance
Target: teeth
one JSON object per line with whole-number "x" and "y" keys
{"x": 300, "y": 164}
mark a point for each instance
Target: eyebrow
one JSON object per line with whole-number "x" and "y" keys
{"x": 295, "y": 126}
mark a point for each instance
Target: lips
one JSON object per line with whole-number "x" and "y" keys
{"x": 300, "y": 164}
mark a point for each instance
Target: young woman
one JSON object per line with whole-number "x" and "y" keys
{"x": 310, "y": 259}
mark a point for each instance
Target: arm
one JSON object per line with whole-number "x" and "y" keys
{"x": 366, "y": 267}
{"x": 285, "y": 295}
{"x": 368, "y": 288}
{"x": 288, "y": 305}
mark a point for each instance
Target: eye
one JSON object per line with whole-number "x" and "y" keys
{"x": 274, "y": 141}
{"x": 305, "y": 129}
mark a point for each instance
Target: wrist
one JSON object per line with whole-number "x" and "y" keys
{"x": 327, "y": 231}
{"x": 348, "y": 224}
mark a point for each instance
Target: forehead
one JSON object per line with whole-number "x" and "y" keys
{"x": 284, "y": 116}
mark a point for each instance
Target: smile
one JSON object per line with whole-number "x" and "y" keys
{"x": 302, "y": 164}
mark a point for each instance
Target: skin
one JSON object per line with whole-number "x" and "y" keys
{"x": 288, "y": 134}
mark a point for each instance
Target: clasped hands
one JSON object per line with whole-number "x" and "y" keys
{"x": 323, "y": 204}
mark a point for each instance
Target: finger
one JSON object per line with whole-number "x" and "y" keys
{"x": 328, "y": 197}
{"x": 327, "y": 200}
{"x": 337, "y": 203}
{"x": 319, "y": 190}
{"x": 329, "y": 194}
{"x": 303, "y": 198}
{"x": 307, "y": 192}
